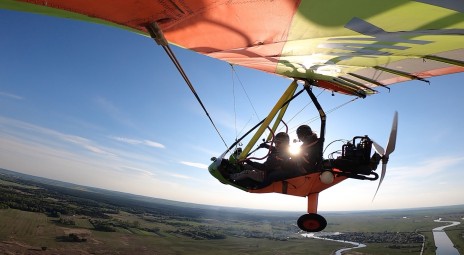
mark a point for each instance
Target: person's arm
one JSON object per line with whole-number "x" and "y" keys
{"x": 265, "y": 145}
{"x": 256, "y": 165}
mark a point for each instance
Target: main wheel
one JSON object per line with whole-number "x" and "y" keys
{"x": 311, "y": 222}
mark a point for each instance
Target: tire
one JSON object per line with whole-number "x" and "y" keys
{"x": 312, "y": 222}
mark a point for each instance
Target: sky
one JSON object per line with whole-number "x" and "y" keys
{"x": 104, "y": 107}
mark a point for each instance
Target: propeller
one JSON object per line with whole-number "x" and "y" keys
{"x": 389, "y": 149}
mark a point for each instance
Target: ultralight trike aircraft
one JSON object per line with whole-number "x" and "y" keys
{"x": 355, "y": 162}
{"x": 348, "y": 47}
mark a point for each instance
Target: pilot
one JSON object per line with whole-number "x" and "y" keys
{"x": 272, "y": 169}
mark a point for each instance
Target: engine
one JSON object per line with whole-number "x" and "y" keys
{"x": 356, "y": 157}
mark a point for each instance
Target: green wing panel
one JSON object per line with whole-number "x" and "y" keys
{"x": 349, "y": 47}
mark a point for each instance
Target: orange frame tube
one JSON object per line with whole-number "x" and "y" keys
{"x": 312, "y": 202}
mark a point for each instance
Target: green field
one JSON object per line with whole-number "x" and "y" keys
{"x": 31, "y": 231}
{"x": 419, "y": 220}
{"x": 45, "y": 217}
{"x": 13, "y": 184}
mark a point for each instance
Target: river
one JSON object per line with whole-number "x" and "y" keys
{"x": 338, "y": 252}
{"x": 442, "y": 241}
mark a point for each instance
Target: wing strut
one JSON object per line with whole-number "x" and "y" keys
{"x": 280, "y": 116}
{"x": 259, "y": 124}
{"x": 157, "y": 35}
{"x": 358, "y": 84}
{"x": 369, "y": 80}
{"x": 445, "y": 60}
{"x": 322, "y": 115}
{"x": 278, "y": 106}
{"x": 400, "y": 73}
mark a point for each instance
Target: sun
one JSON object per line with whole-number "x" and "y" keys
{"x": 294, "y": 149}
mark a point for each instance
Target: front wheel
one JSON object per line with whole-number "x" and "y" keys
{"x": 311, "y": 222}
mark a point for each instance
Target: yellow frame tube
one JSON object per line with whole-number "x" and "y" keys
{"x": 281, "y": 115}
{"x": 287, "y": 94}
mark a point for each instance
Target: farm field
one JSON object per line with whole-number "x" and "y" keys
{"x": 41, "y": 217}
{"x": 27, "y": 232}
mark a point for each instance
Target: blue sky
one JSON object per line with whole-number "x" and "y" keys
{"x": 104, "y": 107}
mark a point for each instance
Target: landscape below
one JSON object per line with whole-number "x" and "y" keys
{"x": 42, "y": 216}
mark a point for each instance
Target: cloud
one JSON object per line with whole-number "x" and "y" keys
{"x": 127, "y": 140}
{"x": 193, "y": 164}
{"x": 137, "y": 171}
{"x": 106, "y": 105}
{"x": 423, "y": 176}
{"x": 206, "y": 151}
{"x": 61, "y": 156}
{"x": 84, "y": 143}
{"x": 153, "y": 144}
{"x": 180, "y": 176}
{"x": 13, "y": 96}
{"x": 137, "y": 142}
{"x": 428, "y": 167}
{"x": 113, "y": 111}
{"x": 51, "y": 137}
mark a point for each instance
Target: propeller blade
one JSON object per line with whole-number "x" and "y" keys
{"x": 390, "y": 148}
{"x": 382, "y": 175}
{"x": 392, "y": 140}
{"x": 378, "y": 148}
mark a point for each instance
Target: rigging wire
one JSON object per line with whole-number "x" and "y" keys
{"x": 157, "y": 35}
{"x": 261, "y": 122}
{"x": 340, "y": 106}
{"x": 233, "y": 94}
{"x": 247, "y": 96}
{"x": 184, "y": 75}
{"x": 246, "y": 124}
{"x": 241, "y": 84}
{"x": 304, "y": 107}
{"x": 329, "y": 111}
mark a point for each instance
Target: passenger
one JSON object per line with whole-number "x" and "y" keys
{"x": 310, "y": 152}
{"x": 272, "y": 168}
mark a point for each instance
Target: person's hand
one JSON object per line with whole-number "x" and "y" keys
{"x": 263, "y": 145}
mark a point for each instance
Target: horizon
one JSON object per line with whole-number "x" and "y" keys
{"x": 221, "y": 206}
{"x": 103, "y": 107}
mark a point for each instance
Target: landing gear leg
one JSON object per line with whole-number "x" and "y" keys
{"x": 312, "y": 222}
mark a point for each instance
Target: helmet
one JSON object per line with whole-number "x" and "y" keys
{"x": 282, "y": 136}
{"x": 304, "y": 130}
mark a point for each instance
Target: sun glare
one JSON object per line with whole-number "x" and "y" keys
{"x": 294, "y": 149}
